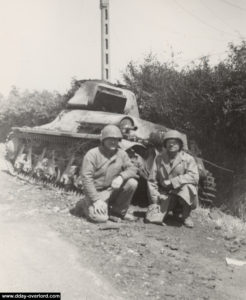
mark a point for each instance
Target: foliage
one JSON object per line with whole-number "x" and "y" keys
{"x": 75, "y": 85}
{"x": 206, "y": 102}
{"x": 28, "y": 109}
{"x": 32, "y": 108}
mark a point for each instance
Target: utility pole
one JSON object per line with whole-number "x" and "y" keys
{"x": 105, "y": 57}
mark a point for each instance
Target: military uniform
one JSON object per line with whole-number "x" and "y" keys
{"x": 182, "y": 173}
{"x": 98, "y": 171}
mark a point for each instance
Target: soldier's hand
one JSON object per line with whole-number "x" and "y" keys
{"x": 167, "y": 183}
{"x": 162, "y": 197}
{"x": 117, "y": 182}
{"x": 100, "y": 207}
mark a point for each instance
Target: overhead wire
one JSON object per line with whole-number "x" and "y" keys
{"x": 192, "y": 36}
{"x": 201, "y": 20}
{"x": 202, "y": 56}
{"x": 233, "y": 5}
{"x": 218, "y": 17}
{"x": 211, "y": 26}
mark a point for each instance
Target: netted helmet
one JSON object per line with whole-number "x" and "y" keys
{"x": 173, "y": 134}
{"x": 111, "y": 131}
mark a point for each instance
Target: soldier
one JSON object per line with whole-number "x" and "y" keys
{"x": 108, "y": 179}
{"x": 173, "y": 181}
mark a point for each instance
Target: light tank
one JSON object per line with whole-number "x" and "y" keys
{"x": 54, "y": 152}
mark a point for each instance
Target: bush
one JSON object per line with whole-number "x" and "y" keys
{"x": 28, "y": 109}
{"x": 206, "y": 102}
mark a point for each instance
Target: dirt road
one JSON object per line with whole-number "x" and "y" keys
{"x": 46, "y": 248}
{"x": 36, "y": 258}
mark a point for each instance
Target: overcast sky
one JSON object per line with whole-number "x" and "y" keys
{"x": 45, "y": 43}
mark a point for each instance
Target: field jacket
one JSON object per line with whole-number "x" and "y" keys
{"x": 99, "y": 170}
{"x": 183, "y": 174}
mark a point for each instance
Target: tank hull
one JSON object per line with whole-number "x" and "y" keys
{"x": 54, "y": 152}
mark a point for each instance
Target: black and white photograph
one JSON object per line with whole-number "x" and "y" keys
{"x": 123, "y": 149}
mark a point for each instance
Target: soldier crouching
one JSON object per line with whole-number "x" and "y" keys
{"x": 173, "y": 181}
{"x": 108, "y": 179}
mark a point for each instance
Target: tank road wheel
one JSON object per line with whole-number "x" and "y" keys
{"x": 50, "y": 167}
{"x": 39, "y": 168}
{"x": 58, "y": 174}
{"x": 20, "y": 159}
{"x": 78, "y": 183}
{"x": 67, "y": 176}
{"x": 27, "y": 167}
{"x": 207, "y": 189}
{"x": 207, "y": 186}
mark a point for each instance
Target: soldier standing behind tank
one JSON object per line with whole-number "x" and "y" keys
{"x": 173, "y": 181}
{"x": 108, "y": 179}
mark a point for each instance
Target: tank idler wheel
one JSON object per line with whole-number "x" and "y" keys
{"x": 11, "y": 148}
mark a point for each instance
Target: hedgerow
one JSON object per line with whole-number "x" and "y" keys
{"x": 28, "y": 109}
{"x": 205, "y": 101}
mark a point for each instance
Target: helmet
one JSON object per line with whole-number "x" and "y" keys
{"x": 156, "y": 138}
{"x": 126, "y": 145}
{"x": 173, "y": 134}
{"x": 111, "y": 131}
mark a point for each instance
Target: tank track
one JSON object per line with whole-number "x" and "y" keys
{"x": 56, "y": 160}
{"x": 49, "y": 159}
{"x": 207, "y": 190}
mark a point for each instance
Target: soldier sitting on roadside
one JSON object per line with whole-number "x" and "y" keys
{"x": 108, "y": 179}
{"x": 173, "y": 181}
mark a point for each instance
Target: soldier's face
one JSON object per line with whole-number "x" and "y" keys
{"x": 111, "y": 144}
{"x": 172, "y": 145}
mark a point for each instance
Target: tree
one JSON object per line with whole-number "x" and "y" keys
{"x": 28, "y": 109}
{"x": 206, "y": 102}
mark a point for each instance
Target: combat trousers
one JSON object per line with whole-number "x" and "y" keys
{"x": 118, "y": 202}
{"x": 174, "y": 203}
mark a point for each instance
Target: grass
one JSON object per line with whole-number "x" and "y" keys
{"x": 228, "y": 223}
